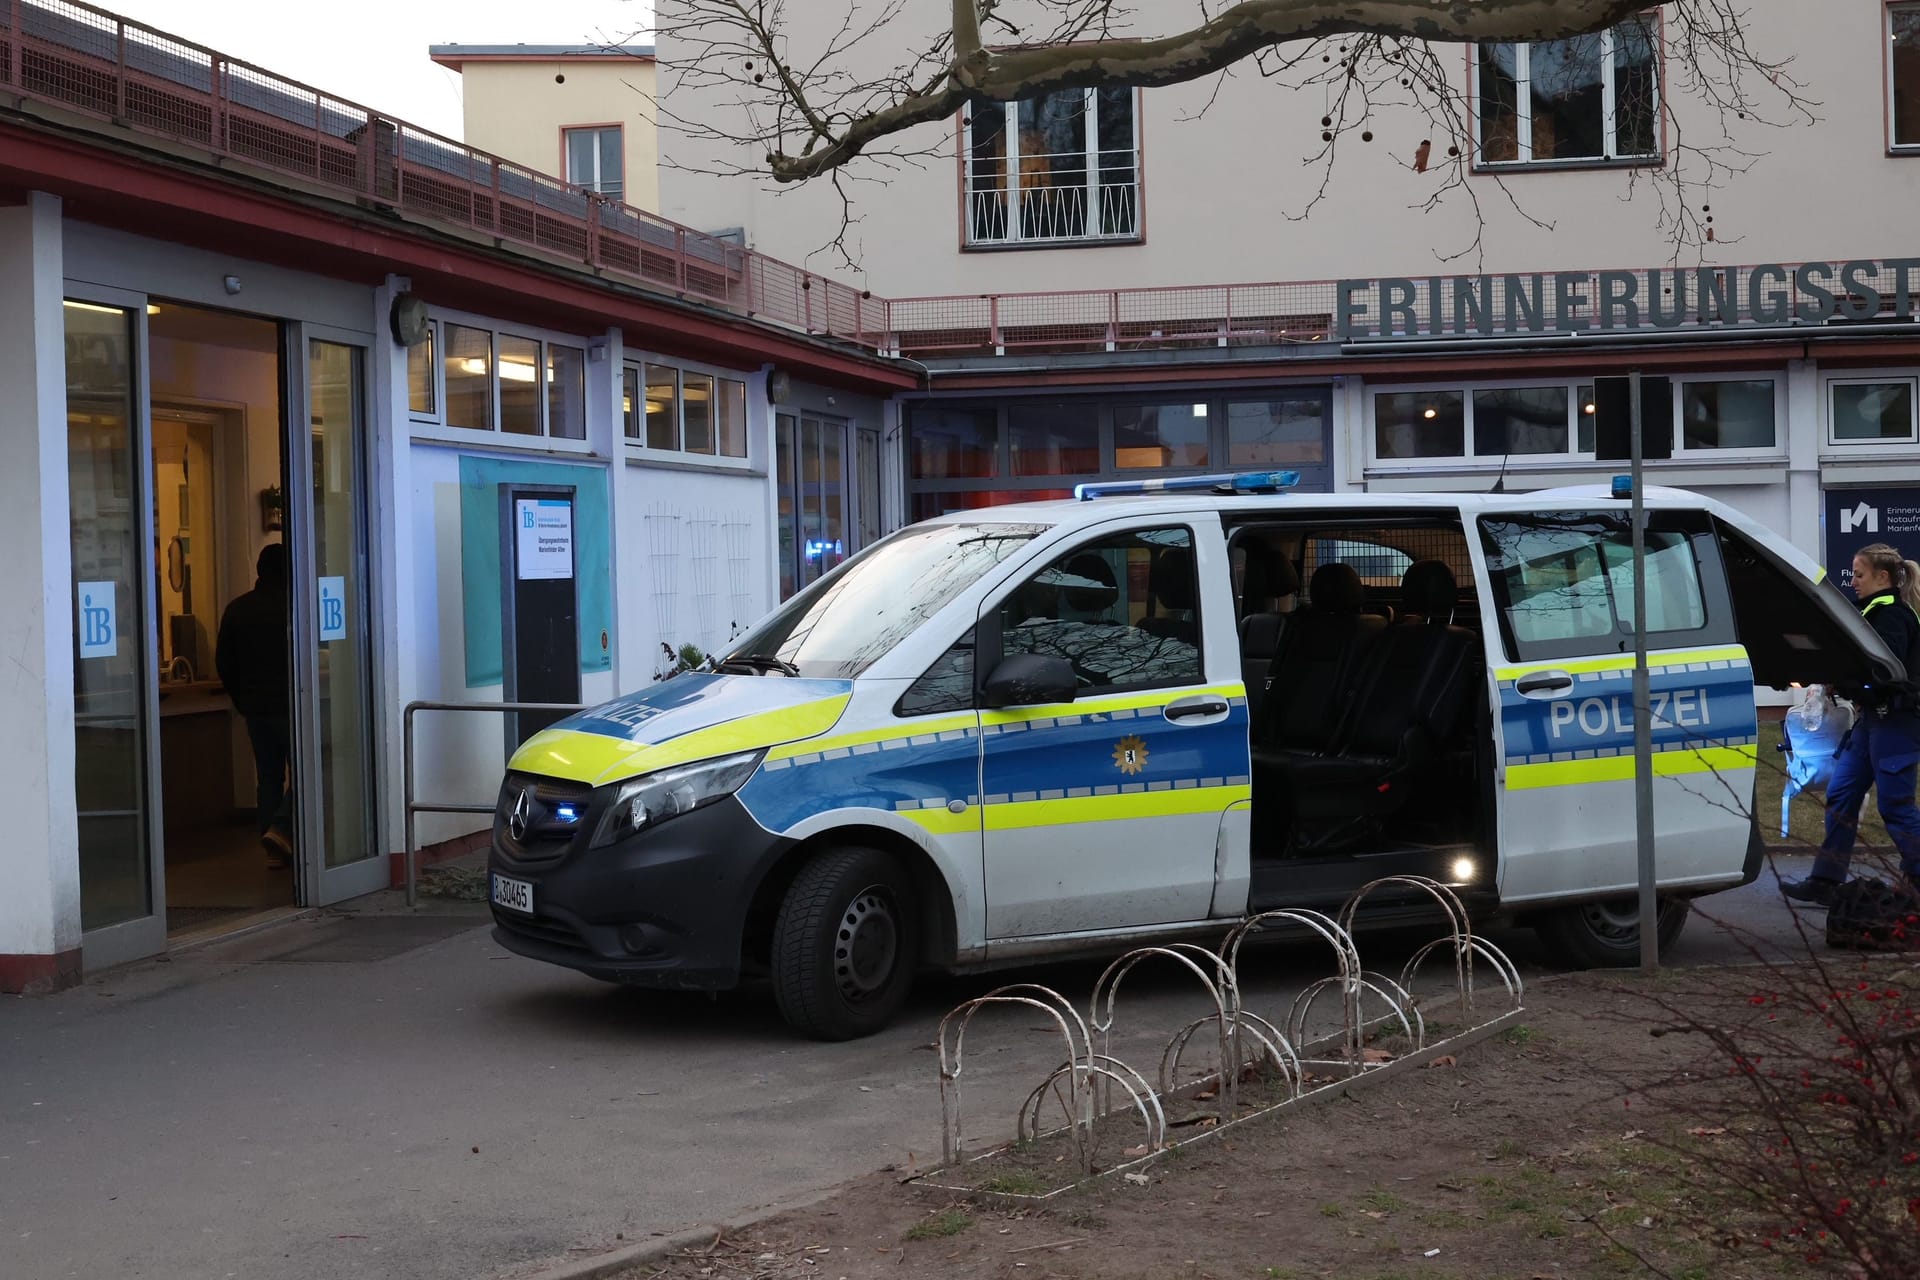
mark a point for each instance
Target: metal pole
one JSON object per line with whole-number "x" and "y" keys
{"x": 1642, "y": 723}
{"x": 406, "y": 754}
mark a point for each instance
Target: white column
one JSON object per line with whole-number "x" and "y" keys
{"x": 40, "y": 858}
{"x": 390, "y": 557}
{"x": 1805, "y": 501}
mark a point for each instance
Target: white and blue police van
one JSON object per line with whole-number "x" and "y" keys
{"x": 1068, "y": 728}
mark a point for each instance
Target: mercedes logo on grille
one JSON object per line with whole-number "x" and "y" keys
{"x": 521, "y": 815}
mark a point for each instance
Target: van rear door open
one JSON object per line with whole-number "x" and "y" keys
{"x": 1798, "y": 628}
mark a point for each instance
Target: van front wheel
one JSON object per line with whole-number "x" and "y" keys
{"x": 845, "y": 944}
{"x": 1606, "y": 934}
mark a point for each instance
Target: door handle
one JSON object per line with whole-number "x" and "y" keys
{"x": 1543, "y": 684}
{"x": 1191, "y": 708}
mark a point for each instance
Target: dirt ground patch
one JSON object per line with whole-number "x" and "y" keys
{"x": 1522, "y": 1160}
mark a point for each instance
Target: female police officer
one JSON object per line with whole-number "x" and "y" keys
{"x": 1882, "y": 750}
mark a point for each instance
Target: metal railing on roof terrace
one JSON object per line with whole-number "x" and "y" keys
{"x": 95, "y": 63}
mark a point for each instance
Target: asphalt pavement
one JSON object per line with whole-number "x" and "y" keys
{"x": 343, "y": 1098}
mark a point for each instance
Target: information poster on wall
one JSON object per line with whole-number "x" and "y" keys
{"x": 545, "y": 532}
{"x": 1859, "y": 518}
{"x": 333, "y": 609}
{"x": 97, "y": 623}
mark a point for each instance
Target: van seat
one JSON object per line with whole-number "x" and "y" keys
{"x": 1414, "y": 685}
{"x": 1270, "y": 581}
{"x": 1313, "y": 671}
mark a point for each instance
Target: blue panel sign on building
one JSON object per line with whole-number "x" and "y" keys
{"x": 1857, "y": 518}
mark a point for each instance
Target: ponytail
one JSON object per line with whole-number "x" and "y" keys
{"x": 1904, "y": 573}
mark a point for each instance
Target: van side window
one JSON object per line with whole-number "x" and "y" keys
{"x": 946, "y": 686}
{"x": 1124, "y": 611}
{"x": 1564, "y": 584}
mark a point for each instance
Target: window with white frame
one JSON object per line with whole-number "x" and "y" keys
{"x": 471, "y": 377}
{"x": 1594, "y": 97}
{"x": 1871, "y": 411}
{"x": 1062, "y": 168}
{"x": 596, "y": 159}
{"x": 667, "y": 409}
{"x": 1903, "y": 76}
{"x": 1542, "y": 422}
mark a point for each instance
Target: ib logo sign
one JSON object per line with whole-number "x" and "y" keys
{"x": 1860, "y": 517}
{"x": 96, "y": 624}
{"x": 333, "y": 609}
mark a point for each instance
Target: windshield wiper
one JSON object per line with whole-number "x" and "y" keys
{"x": 759, "y": 664}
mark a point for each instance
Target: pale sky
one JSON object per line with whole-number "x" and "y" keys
{"x": 374, "y": 52}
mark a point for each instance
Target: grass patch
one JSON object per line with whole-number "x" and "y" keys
{"x": 1383, "y": 1201}
{"x": 942, "y": 1225}
{"x": 1508, "y": 1149}
{"x": 1332, "y": 1211}
{"x": 1015, "y": 1182}
{"x": 1520, "y": 1036}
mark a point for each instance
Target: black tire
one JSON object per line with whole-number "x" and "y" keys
{"x": 845, "y": 944}
{"x": 1606, "y": 934}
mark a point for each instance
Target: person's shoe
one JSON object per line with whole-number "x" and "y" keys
{"x": 279, "y": 849}
{"x": 1812, "y": 892}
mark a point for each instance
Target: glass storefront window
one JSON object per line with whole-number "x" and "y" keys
{"x": 663, "y": 407}
{"x": 732, "y": 417}
{"x": 952, "y": 443}
{"x": 469, "y": 377}
{"x": 421, "y": 376}
{"x": 1419, "y": 424}
{"x": 1519, "y": 420}
{"x": 1277, "y": 433}
{"x": 1054, "y": 439}
{"x": 566, "y": 392}
{"x": 1727, "y": 415}
{"x": 696, "y": 412}
{"x": 108, "y": 521}
{"x": 630, "y": 402}
{"x": 1160, "y": 435}
{"x": 519, "y": 385}
{"x": 1873, "y": 411}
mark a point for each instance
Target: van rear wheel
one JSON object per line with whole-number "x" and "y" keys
{"x": 845, "y": 944}
{"x": 1605, "y": 934}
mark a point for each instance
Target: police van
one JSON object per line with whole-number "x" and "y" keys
{"x": 1071, "y": 727}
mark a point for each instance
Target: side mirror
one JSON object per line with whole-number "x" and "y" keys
{"x": 1030, "y": 680}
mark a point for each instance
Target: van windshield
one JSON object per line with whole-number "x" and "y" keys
{"x": 841, "y": 625}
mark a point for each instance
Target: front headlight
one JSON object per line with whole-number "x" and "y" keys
{"x": 656, "y": 797}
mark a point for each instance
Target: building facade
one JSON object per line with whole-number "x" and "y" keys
{"x": 1089, "y": 278}
{"x": 251, "y": 325}
{"x": 584, "y": 113}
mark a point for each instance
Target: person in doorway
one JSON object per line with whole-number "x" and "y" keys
{"x": 251, "y": 655}
{"x": 1882, "y": 750}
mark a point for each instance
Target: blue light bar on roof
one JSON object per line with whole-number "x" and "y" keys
{"x": 1243, "y": 482}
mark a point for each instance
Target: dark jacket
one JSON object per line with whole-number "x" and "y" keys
{"x": 252, "y": 652}
{"x": 1899, "y": 626}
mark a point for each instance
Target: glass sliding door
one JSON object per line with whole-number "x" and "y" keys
{"x": 112, "y": 688}
{"x": 336, "y": 660}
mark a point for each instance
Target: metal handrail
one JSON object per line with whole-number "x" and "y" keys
{"x": 406, "y": 749}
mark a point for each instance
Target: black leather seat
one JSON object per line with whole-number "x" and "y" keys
{"x": 1313, "y": 670}
{"x": 1172, "y": 582}
{"x": 1411, "y": 692}
{"x": 1268, "y": 581}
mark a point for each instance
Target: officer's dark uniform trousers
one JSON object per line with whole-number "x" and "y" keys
{"x": 1882, "y": 752}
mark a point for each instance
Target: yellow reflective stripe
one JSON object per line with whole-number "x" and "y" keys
{"x": 944, "y": 822}
{"x": 596, "y": 759}
{"x": 1117, "y": 702}
{"x": 901, "y": 729}
{"x": 1115, "y": 808}
{"x": 1820, "y": 574}
{"x": 1665, "y": 658}
{"x": 1666, "y": 764}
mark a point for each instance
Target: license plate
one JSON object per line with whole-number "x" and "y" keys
{"x": 514, "y": 895}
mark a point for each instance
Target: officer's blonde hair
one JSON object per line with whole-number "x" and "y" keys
{"x": 1904, "y": 572}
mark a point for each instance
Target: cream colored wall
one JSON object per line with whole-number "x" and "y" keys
{"x": 1219, "y": 187}
{"x": 517, "y": 110}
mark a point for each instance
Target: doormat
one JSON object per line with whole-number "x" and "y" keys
{"x": 343, "y": 939}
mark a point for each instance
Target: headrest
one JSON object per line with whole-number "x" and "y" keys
{"x": 1260, "y": 634}
{"x": 1267, "y": 577}
{"x": 1088, "y": 583}
{"x": 1336, "y": 589}
{"x": 1428, "y": 588}
{"x": 1172, "y": 578}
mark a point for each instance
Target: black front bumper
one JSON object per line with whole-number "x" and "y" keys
{"x": 664, "y": 908}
